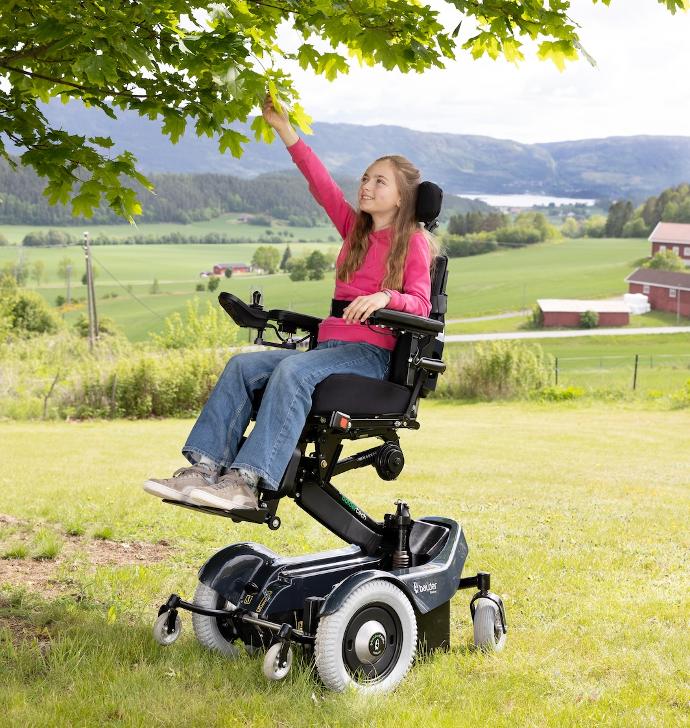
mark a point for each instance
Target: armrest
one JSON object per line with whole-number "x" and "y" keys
{"x": 251, "y": 317}
{"x": 254, "y": 317}
{"x": 289, "y": 321}
{"x": 400, "y": 321}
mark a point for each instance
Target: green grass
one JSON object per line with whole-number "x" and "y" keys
{"x": 578, "y": 511}
{"x": 506, "y": 280}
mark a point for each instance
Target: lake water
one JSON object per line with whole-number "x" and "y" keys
{"x": 526, "y": 200}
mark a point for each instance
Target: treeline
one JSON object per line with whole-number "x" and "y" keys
{"x": 475, "y": 232}
{"x": 58, "y": 238}
{"x": 626, "y": 221}
{"x": 185, "y": 198}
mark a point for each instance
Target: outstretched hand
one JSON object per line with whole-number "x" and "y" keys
{"x": 279, "y": 121}
{"x": 363, "y": 306}
{"x": 276, "y": 119}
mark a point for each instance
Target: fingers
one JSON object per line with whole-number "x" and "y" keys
{"x": 361, "y": 308}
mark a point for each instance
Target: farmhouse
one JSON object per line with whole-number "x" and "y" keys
{"x": 672, "y": 236}
{"x": 220, "y": 268}
{"x": 568, "y": 312}
{"x": 666, "y": 290}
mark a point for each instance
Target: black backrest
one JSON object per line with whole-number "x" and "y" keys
{"x": 406, "y": 346}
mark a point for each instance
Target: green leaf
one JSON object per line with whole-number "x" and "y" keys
{"x": 174, "y": 125}
{"x": 299, "y": 117}
{"x": 232, "y": 140}
{"x": 262, "y": 130}
{"x": 106, "y": 142}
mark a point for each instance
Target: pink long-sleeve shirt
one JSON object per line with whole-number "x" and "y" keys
{"x": 416, "y": 285}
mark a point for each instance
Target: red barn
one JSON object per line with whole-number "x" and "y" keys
{"x": 666, "y": 290}
{"x": 567, "y": 312}
{"x": 672, "y": 236}
{"x": 220, "y": 268}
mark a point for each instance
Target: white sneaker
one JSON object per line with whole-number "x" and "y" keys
{"x": 182, "y": 483}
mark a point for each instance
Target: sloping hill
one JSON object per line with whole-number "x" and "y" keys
{"x": 633, "y": 167}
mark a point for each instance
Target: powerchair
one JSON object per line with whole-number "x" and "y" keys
{"x": 360, "y": 612}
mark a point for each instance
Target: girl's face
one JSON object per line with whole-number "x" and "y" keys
{"x": 378, "y": 189}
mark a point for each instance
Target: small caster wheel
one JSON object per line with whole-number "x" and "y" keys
{"x": 160, "y": 629}
{"x": 272, "y": 669}
{"x": 488, "y": 630}
{"x": 274, "y": 523}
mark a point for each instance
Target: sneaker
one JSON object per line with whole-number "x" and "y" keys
{"x": 230, "y": 492}
{"x": 182, "y": 483}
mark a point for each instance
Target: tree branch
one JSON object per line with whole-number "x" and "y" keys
{"x": 96, "y": 92}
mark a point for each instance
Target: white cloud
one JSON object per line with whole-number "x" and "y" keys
{"x": 639, "y": 86}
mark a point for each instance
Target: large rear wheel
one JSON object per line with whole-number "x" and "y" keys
{"x": 369, "y": 642}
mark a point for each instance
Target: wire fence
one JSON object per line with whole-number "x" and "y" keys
{"x": 651, "y": 371}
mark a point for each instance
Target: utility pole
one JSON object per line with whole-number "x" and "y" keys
{"x": 90, "y": 295}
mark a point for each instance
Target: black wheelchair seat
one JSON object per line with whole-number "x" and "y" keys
{"x": 359, "y": 396}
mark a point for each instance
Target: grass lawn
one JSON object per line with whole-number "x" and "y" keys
{"x": 579, "y": 512}
{"x": 506, "y": 280}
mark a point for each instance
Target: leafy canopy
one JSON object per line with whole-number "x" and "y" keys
{"x": 189, "y": 63}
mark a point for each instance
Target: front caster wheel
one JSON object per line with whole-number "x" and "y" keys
{"x": 162, "y": 634}
{"x": 369, "y": 642}
{"x": 272, "y": 668}
{"x": 488, "y": 629}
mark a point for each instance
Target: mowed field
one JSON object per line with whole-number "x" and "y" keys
{"x": 506, "y": 280}
{"x": 579, "y": 513}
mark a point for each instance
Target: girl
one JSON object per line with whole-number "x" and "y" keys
{"x": 384, "y": 262}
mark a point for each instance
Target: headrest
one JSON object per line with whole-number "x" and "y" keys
{"x": 429, "y": 201}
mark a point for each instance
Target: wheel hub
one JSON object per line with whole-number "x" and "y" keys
{"x": 370, "y": 642}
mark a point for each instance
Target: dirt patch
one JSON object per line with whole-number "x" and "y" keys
{"x": 20, "y": 630}
{"x": 40, "y": 575}
{"x": 6, "y": 520}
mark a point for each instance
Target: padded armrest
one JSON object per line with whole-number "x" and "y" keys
{"x": 400, "y": 321}
{"x": 295, "y": 320}
{"x": 241, "y": 313}
{"x": 253, "y": 317}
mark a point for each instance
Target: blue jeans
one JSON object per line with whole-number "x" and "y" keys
{"x": 292, "y": 376}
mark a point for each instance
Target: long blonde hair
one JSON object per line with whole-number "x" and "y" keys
{"x": 404, "y": 225}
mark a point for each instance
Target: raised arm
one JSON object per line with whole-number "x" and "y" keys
{"x": 321, "y": 185}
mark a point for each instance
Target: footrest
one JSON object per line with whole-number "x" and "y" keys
{"x": 263, "y": 514}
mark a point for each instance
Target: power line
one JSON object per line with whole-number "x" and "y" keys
{"x": 127, "y": 290}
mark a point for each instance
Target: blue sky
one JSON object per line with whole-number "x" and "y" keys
{"x": 640, "y": 84}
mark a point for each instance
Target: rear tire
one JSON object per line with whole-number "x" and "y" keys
{"x": 213, "y": 632}
{"x": 369, "y": 642}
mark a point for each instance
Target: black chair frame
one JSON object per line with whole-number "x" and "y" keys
{"x": 415, "y": 366}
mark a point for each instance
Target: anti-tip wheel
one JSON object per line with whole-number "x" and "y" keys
{"x": 274, "y": 523}
{"x": 160, "y": 629}
{"x": 488, "y": 630}
{"x": 271, "y": 667}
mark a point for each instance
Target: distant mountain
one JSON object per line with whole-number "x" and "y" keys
{"x": 615, "y": 167}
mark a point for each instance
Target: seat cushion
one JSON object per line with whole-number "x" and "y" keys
{"x": 359, "y": 396}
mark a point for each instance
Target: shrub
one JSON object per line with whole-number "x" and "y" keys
{"x": 557, "y": 393}
{"x": 498, "y": 370}
{"x": 213, "y": 283}
{"x": 199, "y": 287}
{"x": 197, "y": 329}
{"x": 298, "y": 269}
{"x": 681, "y": 398}
{"x": 462, "y": 247}
{"x": 589, "y": 320}
{"x": 25, "y": 312}
{"x": 666, "y": 259}
{"x": 519, "y": 235}
{"x": 155, "y": 287}
{"x": 535, "y": 320}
